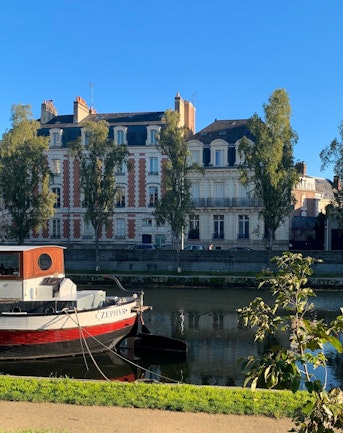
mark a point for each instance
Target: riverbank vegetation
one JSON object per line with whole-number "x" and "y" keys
{"x": 176, "y": 397}
{"x": 292, "y": 313}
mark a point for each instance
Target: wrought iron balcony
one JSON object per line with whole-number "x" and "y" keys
{"x": 216, "y": 235}
{"x": 211, "y": 202}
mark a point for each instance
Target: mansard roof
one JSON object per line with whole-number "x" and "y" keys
{"x": 59, "y": 120}
{"x": 135, "y": 123}
{"x": 154, "y": 117}
{"x": 325, "y": 187}
{"x": 228, "y": 130}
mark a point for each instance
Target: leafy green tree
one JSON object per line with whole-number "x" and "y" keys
{"x": 175, "y": 204}
{"x": 288, "y": 367}
{"x": 99, "y": 159}
{"x": 268, "y": 162}
{"x": 25, "y": 175}
{"x": 332, "y": 155}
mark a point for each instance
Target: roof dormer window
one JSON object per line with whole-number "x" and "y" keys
{"x": 219, "y": 153}
{"x": 85, "y": 135}
{"x": 152, "y": 132}
{"x": 119, "y": 135}
{"x": 56, "y": 137}
{"x": 196, "y": 150}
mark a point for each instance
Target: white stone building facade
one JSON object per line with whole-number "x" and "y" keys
{"x": 225, "y": 213}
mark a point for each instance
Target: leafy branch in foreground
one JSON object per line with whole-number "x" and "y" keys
{"x": 289, "y": 367}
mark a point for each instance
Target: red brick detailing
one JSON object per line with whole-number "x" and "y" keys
{"x": 131, "y": 183}
{"x": 77, "y": 227}
{"x": 76, "y": 175}
{"x": 66, "y": 183}
{"x": 142, "y": 181}
{"x": 131, "y": 226}
{"x": 45, "y": 233}
{"x": 109, "y": 230}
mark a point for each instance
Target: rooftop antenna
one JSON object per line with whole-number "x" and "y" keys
{"x": 92, "y": 95}
{"x": 193, "y": 96}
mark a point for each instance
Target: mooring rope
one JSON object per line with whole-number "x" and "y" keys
{"x": 87, "y": 347}
{"x": 66, "y": 311}
{"x": 81, "y": 340}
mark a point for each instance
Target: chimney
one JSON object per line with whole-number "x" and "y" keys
{"x": 337, "y": 183}
{"x": 48, "y": 112}
{"x": 186, "y": 111}
{"x": 81, "y": 110}
{"x": 304, "y": 168}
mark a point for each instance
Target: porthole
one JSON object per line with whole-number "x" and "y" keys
{"x": 44, "y": 262}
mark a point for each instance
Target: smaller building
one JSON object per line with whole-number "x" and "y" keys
{"x": 312, "y": 195}
{"x": 226, "y": 213}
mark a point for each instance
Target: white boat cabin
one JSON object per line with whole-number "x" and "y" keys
{"x": 33, "y": 272}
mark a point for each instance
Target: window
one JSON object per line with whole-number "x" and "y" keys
{"x": 152, "y": 132}
{"x": 153, "y": 195}
{"x": 153, "y": 138}
{"x": 219, "y": 158}
{"x": 122, "y": 171}
{"x": 243, "y": 227}
{"x": 160, "y": 240}
{"x": 88, "y": 230}
{"x": 218, "y": 194}
{"x": 85, "y": 136}
{"x": 195, "y": 190}
{"x": 44, "y": 262}
{"x": 195, "y": 193}
{"x": 218, "y": 227}
{"x": 120, "y": 228}
{"x": 55, "y": 137}
{"x": 195, "y": 156}
{"x": 56, "y": 228}
{"x": 153, "y": 166}
{"x": 218, "y": 189}
{"x": 194, "y": 228}
{"x": 57, "y": 192}
{"x": 120, "y": 197}
{"x": 56, "y": 167}
{"x": 147, "y": 222}
{"x": 120, "y": 137}
{"x": 9, "y": 264}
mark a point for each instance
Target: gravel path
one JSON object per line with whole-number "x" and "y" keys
{"x": 16, "y": 416}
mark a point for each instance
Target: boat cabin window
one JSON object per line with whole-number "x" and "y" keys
{"x": 44, "y": 262}
{"x": 9, "y": 264}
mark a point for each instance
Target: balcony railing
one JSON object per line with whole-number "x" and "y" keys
{"x": 218, "y": 235}
{"x": 211, "y": 202}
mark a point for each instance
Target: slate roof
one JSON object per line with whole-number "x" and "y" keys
{"x": 228, "y": 130}
{"x": 136, "y": 124}
{"x": 325, "y": 187}
{"x": 154, "y": 117}
{"x": 58, "y": 120}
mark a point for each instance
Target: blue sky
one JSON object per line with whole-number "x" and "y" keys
{"x": 226, "y": 56}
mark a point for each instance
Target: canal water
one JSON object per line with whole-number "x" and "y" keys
{"x": 207, "y": 320}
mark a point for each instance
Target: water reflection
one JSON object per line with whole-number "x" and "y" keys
{"x": 99, "y": 367}
{"x": 207, "y": 320}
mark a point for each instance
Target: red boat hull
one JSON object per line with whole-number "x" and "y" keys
{"x": 62, "y": 342}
